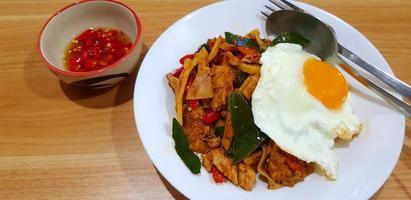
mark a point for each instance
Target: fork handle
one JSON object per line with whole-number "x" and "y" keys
{"x": 396, "y": 84}
{"x": 396, "y": 102}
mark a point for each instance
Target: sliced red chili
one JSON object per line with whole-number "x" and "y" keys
{"x": 194, "y": 103}
{"x": 190, "y": 56}
{"x": 95, "y": 49}
{"x": 211, "y": 117}
{"x": 178, "y": 72}
{"x": 217, "y": 175}
{"x": 211, "y": 43}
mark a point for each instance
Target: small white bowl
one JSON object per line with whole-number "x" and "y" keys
{"x": 72, "y": 20}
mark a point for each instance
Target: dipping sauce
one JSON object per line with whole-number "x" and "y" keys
{"x": 95, "y": 49}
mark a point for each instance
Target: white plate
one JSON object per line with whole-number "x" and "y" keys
{"x": 365, "y": 163}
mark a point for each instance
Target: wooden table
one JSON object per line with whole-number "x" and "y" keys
{"x": 60, "y": 142}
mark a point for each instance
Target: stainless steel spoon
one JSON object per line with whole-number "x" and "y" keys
{"x": 323, "y": 43}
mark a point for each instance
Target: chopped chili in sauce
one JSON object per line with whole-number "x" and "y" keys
{"x": 95, "y": 49}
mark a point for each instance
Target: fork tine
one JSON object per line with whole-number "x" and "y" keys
{"x": 294, "y": 7}
{"x": 263, "y": 13}
{"x": 276, "y": 4}
{"x": 269, "y": 8}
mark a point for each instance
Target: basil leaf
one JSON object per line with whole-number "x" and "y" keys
{"x": 205, "y": 45}
{"x": 290, "y": 37}
{"x": 247, "y": 43}
{"x": 239, "y": 78}
{"x": 248, "y": 136}
{"x": 236, "y": 40}
{"x": 231, "y": 38}
{"x": 181, "y": 146}
{"x": 219, "y": 131}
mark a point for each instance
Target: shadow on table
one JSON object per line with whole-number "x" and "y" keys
{"x": 126, "y": 143}
{"x": 377, "y": 194}
{"x": 171, "y": 189}
{"x": 39, "y": 79}
{"x": 44, "y": 84}
{"x": 128, "y": 146}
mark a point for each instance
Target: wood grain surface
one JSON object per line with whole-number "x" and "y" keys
{"x": 60, "y": 142}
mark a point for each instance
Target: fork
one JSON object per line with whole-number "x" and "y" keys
{"x": 391, "y": 81}
{"x": 396, "y": 84}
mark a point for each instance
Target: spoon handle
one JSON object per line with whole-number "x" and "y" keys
{"x": 396, "y": 102}
{"x": 396, "y": 84}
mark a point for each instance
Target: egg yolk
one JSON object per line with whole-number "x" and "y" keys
{"x": 325, "y": 83}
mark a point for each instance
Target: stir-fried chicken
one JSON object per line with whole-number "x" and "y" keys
{"x": 246, "y": 177}
{"x": 194, "y": 126}
{"x": 202, "y": 87}
{"x": 282, "y": 169}
{"x": 253, "y": 159}
{"x": 222, "y": 79}
{"x": 228, "y": 133}
{"x": 225, "y": 165}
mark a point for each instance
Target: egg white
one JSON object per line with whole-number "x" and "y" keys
{"x": 297, "y": 122}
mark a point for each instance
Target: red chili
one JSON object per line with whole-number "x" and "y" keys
{"x": 211, "y": 116}
{"x": 190, "y": 56}
{"x": 217, "y": 176}
{"x": 178, "y": 72}
{"x": 194, "y": 103}
{"x": 95, "y": 49}
{"x": 211, "y": 43}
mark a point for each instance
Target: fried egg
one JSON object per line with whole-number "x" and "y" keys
{"x": 303, "y": 104}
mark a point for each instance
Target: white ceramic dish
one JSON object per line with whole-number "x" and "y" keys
{"x": 72, "y": 20}
{"x": 365, "y": 163}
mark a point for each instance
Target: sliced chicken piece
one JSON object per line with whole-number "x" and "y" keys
{"x": 199, "y": 146}
{"x": 228, "y": 133}
{"x": 207, "y": 160}
{"x": 222, "y": 80}
{"x": 194, "y": 126}
{"x": 262, "y": 169}
{"x": 277, "y": 166}
{"x": 253, "y": 159}
{"x": 214, "y": 142}
{"x": 246, "y": 177}
{"x": 225, "y": 165}
{"x": 282, "y": 169}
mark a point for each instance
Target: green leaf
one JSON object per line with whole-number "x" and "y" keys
{"x": 219, "y": 131}
{"x": 181, "y": 146}
{"x": 248, "y": 43}
{"x": 205, "y": 45}
{"x": 248, "y": 136}
{"x": 290, "y": 37}
{"x": 236, "y": 40}
{"x": 239, "y": 78}
{"x": 231, "y": 38}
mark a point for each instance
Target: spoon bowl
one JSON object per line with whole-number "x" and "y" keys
{"x": 323, "y": 44}
{"x": 322, "y": 39}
